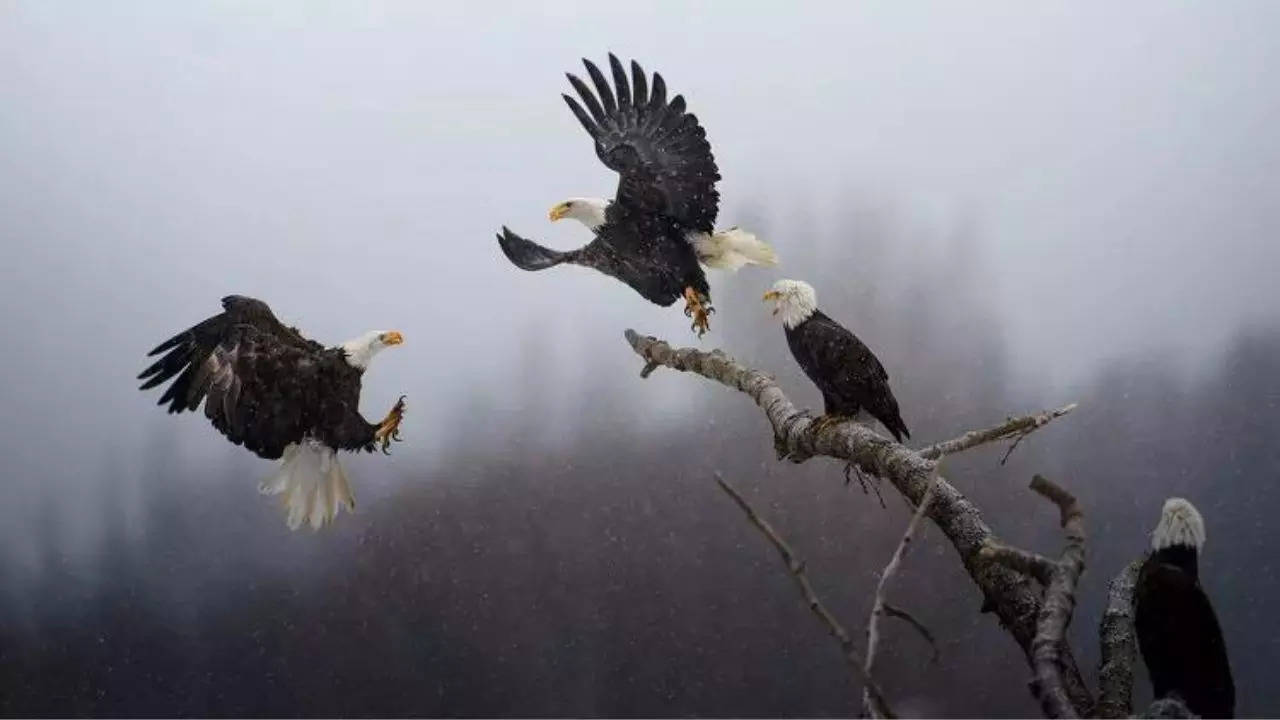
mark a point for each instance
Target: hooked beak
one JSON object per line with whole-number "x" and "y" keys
{"x": 558, "y": 212}
{"x": 772, "y": 295}
{"x": 391, "y": 338}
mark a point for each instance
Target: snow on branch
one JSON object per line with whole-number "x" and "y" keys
{"x": 1013, "y": 596}
{"x": 1119, "y": 646}
{"x": 796, "y": 568}
{"x": 1059, "y": 599}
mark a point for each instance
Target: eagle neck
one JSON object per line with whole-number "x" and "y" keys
{"x": 1183, "y": 556}
{"x": 793, "y": 316}
{"x": 359, "y": 352}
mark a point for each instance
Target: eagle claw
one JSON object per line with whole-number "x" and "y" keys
{"x": 389, "y": 428}
{"x": 699, "y": 310}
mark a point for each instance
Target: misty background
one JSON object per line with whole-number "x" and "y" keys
{"x": 1015, "y": 206}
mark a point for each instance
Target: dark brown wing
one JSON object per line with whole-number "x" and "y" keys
{"x": 658, "y": 148}
{"x": 849, "y": 375}
{"x": 263, "y": 385}
{"x": 656, "y": 279}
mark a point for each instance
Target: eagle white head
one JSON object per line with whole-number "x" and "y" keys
{"x": 588, "y": 211}
{"x": 360, "y": 350}
{"x": 1180, "y": 524}
{"x": 794, "y": 300}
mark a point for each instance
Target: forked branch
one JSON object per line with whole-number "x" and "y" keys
{"x": 881, "y": 607}
{"x": 1013, "y": 596}
{"x": 1059, "y": 600}
{"x": 796, "y": 568}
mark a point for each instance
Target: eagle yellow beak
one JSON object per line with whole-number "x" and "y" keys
{"x": 559, "y": 212}
{"x": 772, "y": 295}
{"x": 391, "y": 338}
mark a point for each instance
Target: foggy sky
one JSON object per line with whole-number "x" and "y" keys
{"x": 350, "y": 164}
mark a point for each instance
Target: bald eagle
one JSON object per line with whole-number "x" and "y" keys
{"x": 1177, "y": 629}
{"x": 281, "y": 396}
{"x": 852, "y": 380}
{"x": 660, "y": 225}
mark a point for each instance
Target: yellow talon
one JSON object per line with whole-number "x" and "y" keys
{"x": 389, "y": 428}
{"x": 700, "y": 311}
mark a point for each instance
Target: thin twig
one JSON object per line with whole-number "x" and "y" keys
{"x": 1012, "y": 446}
{"x": 851, "y": 469}
{"x": 1015, "y": 428}
{"x": 1119, "y": 646}
{"x": 894, "y": 611}
{"x": 878, "y": 608}
{"x": 796, "y": 568}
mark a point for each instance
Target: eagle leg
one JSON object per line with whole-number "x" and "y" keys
{"x": 697, "y": 306}
{"x": 389, "y": 428}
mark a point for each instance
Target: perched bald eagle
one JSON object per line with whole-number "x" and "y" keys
{"x": 853, "y": 382}
{"x": 1177, "y": 629}
{"x": 660, "y": 224}
{"x": 280, "y": 395}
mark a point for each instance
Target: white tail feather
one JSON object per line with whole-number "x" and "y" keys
{"x": 313, "y": 484}
{"x": 731, "y": 249}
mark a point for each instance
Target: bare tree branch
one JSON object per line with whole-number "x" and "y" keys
{"x": 1028, "y": 563}
{"x": 797, "y": 569}
{"x": 1014, "y": 597}
{"x": 1059, "y": 602}
{"x": 894, "y": 611}
{"x": 1119, "y": 646}
{"x": 1013, "y": 428}
{"x": 878, "y": 608}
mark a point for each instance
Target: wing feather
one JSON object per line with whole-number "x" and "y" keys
{"x": 640, "y": 85}
{"x": 620, "y": 80}
{"x": 587, "y": 123}
{"x": 659, "y": 150}
{"x": 588, "y": 99}
{"x": 649, "y": 278}
{"x": 239, "y": 363}
{"x": 602, "y": 87}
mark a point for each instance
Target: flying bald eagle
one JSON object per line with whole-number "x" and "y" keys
{"x": 267, "y": 387}
{"x": 1177, "y": 629}
{"x": 660, "y": 224}
{"x": 850, "y": 377}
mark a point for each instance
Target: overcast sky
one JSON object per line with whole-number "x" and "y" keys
{"x": 350, "y": 162}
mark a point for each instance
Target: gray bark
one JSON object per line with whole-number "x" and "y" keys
{"x": 1011, "y": 595}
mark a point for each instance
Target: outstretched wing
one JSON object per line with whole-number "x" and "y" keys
{"x": 655, "y": 283}
{"x": 659, "y": 149}
{"x": 252, "y": 372}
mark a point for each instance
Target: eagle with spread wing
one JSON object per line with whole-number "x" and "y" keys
{"x": 659, "y": 230}
{"x": 280, "y": 395}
